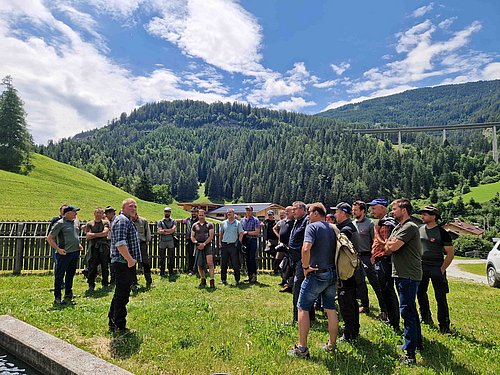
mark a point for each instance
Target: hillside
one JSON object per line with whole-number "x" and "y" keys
{"x": 441, "y": 105}
{"x": 250, "y": 154}
{"x": 39, "y": 195}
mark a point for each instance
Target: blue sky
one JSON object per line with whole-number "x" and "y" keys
{"x": 78, "y": 64}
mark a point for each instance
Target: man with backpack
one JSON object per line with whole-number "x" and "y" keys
{"x": 318, "y": 264}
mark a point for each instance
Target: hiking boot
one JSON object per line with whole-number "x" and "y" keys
{"x": 60, "y": 302}
{"x": 223, "y": 282}
{"x": 286, "y": 289}
{"x": 212, "y": 284}
{"x": 91, "y": 288}
{"x": 330, "y": 348}
{"x": 253, "y": 279}
{"x": 299, "y": 352}
{"x": 203, "y": 282}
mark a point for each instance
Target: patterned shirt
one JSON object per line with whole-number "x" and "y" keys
{"x": 250, "y": 225}
{"x": 123, "y": 232}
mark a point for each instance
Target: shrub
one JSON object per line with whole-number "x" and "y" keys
{"x": 466, "y": 243}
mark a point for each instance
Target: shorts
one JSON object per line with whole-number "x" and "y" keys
{"x": 314, "y": 285}
{"x": 201, "y": 255}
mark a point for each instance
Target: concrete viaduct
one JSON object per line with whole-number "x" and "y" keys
{"x": 432, "y": 128}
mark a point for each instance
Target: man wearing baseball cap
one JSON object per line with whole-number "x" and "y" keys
{"x": 437, "y": 255}
{"x": 64, "y": 237}
{"x": 347, "y": 289}
{"x": 383, "y": 264}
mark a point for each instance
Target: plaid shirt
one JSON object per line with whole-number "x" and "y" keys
{"x": 123, "y": 232}
{"x": 250, "y": 224}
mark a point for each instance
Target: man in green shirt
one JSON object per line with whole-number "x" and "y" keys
{"x": 436, "y": 243}
{"x": 406, "y": 249}
{"x": 64, "y": 237}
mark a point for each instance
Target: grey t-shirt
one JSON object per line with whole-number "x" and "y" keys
{"x": 407, "y": 261}
{"x": 366, "y": 234}
{"x": 324, "y": 244}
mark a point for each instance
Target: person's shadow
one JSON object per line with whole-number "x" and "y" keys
{"x": 124, "y": 345}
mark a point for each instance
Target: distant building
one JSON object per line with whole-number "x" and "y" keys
{"x": 259, "y": 210}
{"x": 205, "y": 206}
{"x": 459, "y": 228}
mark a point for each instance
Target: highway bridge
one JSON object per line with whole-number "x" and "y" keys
{"x": 432, "y": 128}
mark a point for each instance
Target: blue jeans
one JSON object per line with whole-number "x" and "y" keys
{"x": 407, "y": 290}
{"x": 315, "y": 285}
{"x": 65, "y": 270}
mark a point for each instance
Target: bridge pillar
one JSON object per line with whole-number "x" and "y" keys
{"x": 400, "y": 146}
{"x": 444, "y": 136}
{"x": 495, "y": 147}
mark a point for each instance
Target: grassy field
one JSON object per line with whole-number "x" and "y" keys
{"x": 481, "y": 193}
{"x": 476, "y": 268}
{"x": 39, "y": 195}
{"x": 180, "y": 329}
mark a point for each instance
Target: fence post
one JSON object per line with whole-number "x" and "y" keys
{"x": 18, "y": 256}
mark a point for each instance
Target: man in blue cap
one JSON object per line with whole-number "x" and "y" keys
{"x": 382, "y": 262}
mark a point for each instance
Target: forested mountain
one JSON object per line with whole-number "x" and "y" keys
{"x": 441, "y": 105}
{"x": 252, "y": 154}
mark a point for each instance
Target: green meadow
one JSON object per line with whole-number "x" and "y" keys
{"x": 481, "y": 193}
{"x": 181, "y": 329}
{"x": 39, "y": 195}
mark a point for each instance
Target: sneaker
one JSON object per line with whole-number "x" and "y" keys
{"x": 283, "y": 283}
{"x": 286, "y": 289}
{"x": 297, "y": 352}
{"x": 253, "y": 279}
{"x": 223, "y": 282}
{"x": 91, "y": 288}
{"x": 407, "y": 359}
{"x": 60, "y": 302}
{"x": 330, "y": 348}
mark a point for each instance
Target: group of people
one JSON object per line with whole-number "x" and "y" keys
{"x": 398, "y": 258}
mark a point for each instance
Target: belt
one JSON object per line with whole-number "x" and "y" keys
{"x": 228, "y": 243}
{"x": 322, "y": 270}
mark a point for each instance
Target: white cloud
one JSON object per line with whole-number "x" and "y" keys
{"x": 446, "y": 23}
{"x": 423, "y": 58}
{"x": 422, "y": 10}
{"x": 294, "y": 104}
{"x": 69, "y": 85}
{"x": 220, "y": 32}
{"x": 492, "y": 71}
{"x": 376, "y": 94}
{"x": 325, "y": 84}
{"x": 341, "y": 68}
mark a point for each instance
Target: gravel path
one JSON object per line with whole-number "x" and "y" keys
{"x": 454, "y": 271}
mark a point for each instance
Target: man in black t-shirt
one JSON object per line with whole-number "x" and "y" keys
{"x": 96, "y": 233}
{"x": 270, "y": 238}
{"x": 437, "y": 255}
